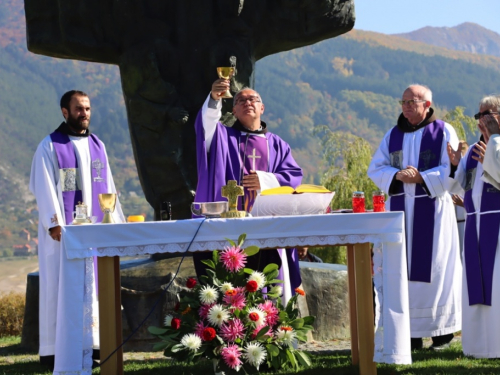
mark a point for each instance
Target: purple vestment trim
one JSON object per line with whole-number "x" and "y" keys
{"x": 424, "y": 206}
{"x": 480, "y": 255}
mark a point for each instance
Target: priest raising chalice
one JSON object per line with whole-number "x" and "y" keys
{"x": 250, "y": 154}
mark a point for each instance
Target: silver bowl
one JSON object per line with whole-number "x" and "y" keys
{"x": 209, "y": 209}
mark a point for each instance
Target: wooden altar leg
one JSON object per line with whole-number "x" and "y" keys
{"x": 352, "y": 305}
{"x": 110, "y": 315}
{"x": 364, "y": 302}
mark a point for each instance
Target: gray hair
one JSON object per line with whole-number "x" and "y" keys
{"x": 245, "y": 88}
{"x": 425, "y": 91}
{"x": 491, "y": 101}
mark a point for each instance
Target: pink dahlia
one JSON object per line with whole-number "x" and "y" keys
{"x": 232, "y": 330}
{"x": 233, "y": 258}
{"x": 203, "y": 311}
{"x": 235, "y": 298}
{"x": 271, "y": 312}
{"x": 199, "y": 328}
{"x": 231, "y": 356}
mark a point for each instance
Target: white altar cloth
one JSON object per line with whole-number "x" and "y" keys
{"x": 385, "y": 230}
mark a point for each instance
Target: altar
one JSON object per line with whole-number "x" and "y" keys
{"x": 386, "y": 342}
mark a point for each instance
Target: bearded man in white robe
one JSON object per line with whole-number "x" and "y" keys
{"x": 70, "y": 166}
{"x": 412, "y": 165}
{"x": 481, "y": 277}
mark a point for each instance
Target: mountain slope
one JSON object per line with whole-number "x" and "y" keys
{"x": 468, "y": 37}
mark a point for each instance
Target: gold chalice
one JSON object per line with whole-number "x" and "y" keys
{"x": 107, "y": 203}
{"x": 226, "y": 73}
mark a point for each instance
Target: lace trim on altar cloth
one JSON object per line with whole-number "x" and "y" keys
{"x": 379, "y": 302}
{"x": 278, "y": 242}
{"x": 88, "y": 321}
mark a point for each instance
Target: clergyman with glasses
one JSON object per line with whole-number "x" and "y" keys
{"x": 412, "y": 165}
{"x": 481, "y": 279}
{"x": 250, "y": 154}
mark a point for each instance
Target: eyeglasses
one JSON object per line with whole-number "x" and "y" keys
{"x": 410, "y": 102}
{"x": 479, "y": 115}
{"x": 243, "y": 100}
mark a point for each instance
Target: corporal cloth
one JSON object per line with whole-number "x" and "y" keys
{"x": 481, "y": 294}
{"x": 435, "y": 306}
{"x": 49, "y": 182}
{"x": 223, "y": 160}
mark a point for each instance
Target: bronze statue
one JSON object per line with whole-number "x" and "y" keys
{"x": 168, "y": 52}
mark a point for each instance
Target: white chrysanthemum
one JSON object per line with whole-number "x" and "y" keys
{"x": 208, "y": 295}
{"x": 217, "y": 315}
{"x": 168, "y": 320}
{"x": 261, "y": 314}
{"x": 255, "y": 354}
{"x": 259, "y": 278}
{"x": 277, "y": 289}
{"x": 191, "y": 341}
{"x": 226, "y": 286}
{"x": 287, "y": 337}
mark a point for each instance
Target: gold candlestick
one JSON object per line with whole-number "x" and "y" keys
{"x": 232, "y": 191}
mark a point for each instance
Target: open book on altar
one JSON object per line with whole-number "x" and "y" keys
{"x": 285, "y": 201}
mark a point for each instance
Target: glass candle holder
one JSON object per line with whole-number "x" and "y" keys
{"x": 378, "y": 201}
{"x": 358, "y": 201}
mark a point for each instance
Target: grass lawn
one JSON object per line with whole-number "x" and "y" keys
{"x": 16, "y": 361}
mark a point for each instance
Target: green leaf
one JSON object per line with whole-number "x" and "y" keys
{"x": 177, "y": 348}
{"x": 272, "y": 275}
{"x": 272, "y": 350}
{"x": 215, "y": 256}
{"x": 303, "y": 358}
{"x": 208, "y": 263}
{"x": 291, "y": 357}
{"x": 157, "y": 330}
{"x": 251, "y": 250}
{"x": 241, "y": 239}
{"x": 297, "y": 323}
{"x": 309, "y": 320}
{"x": 248, "y": 270}
{"x": 283, "y": 316}
{"x": 160, "y": 346}
{"x": 275, "y": 281}
{"x": 231, "y": 242}
{"x": 262, "y": 332}
{"x": 270, "y": 267}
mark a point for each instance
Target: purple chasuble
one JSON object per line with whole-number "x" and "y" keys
{"x": 424, "y": 206}
{"x": 254, "y": 154}
{"x": 480, "y": 253}
{"x": 223, "y": 163}
{"x": 70, "y": 175}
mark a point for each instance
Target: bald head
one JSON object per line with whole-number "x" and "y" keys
{"x": 417, "y": 100}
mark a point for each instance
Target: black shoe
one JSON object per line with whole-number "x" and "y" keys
{"x": 96, "y": 354}
{"x": 417, "y": 343}
{"x": 48, "y": 361}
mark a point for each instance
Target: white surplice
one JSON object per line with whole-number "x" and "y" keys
{"x": 435, "y": 307}
{"x": 481, "y": 329}
{"x": 45, "y": 184}
{"x": 491, "y": 162}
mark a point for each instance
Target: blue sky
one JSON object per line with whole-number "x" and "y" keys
{"x": 399, "y": 16}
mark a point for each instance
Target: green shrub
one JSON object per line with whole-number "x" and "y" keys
{"x": 11, "y": 313}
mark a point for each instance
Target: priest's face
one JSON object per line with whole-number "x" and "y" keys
{"x": 415, "y": 112}
{"x": 78, "y": 114}
{"x": 248, "y": 108}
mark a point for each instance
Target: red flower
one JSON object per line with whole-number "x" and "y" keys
{"x": 177, "y": 306}
{"x": 176, "y": 323}
{"x": 252, "y": 286}
{"x": 253, "y": 316}
{"x": 191, "y": 283}
{"x": 300, "y": 291}
{"x": 231, "y": 292}
{"x": 208, "y": 334}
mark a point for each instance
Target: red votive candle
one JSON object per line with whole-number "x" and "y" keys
{"x": 358, "y": 201}
{"x": 378, "y": 201}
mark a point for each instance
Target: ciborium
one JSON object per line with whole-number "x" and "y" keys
{"x": 107, "y": 203}
{"x": 227, "y": 72}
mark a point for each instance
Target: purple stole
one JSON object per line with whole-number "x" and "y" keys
{"x": 70, "y": 175}
{"x": 254, "y": 155}
{"x": 424, "y": 206}
{"x": 480, "y": 253}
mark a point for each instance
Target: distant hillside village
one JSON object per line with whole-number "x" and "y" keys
{"x": 28, "y": 248}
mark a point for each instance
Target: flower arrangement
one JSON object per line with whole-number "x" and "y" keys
{"x": 235, "y": 317}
